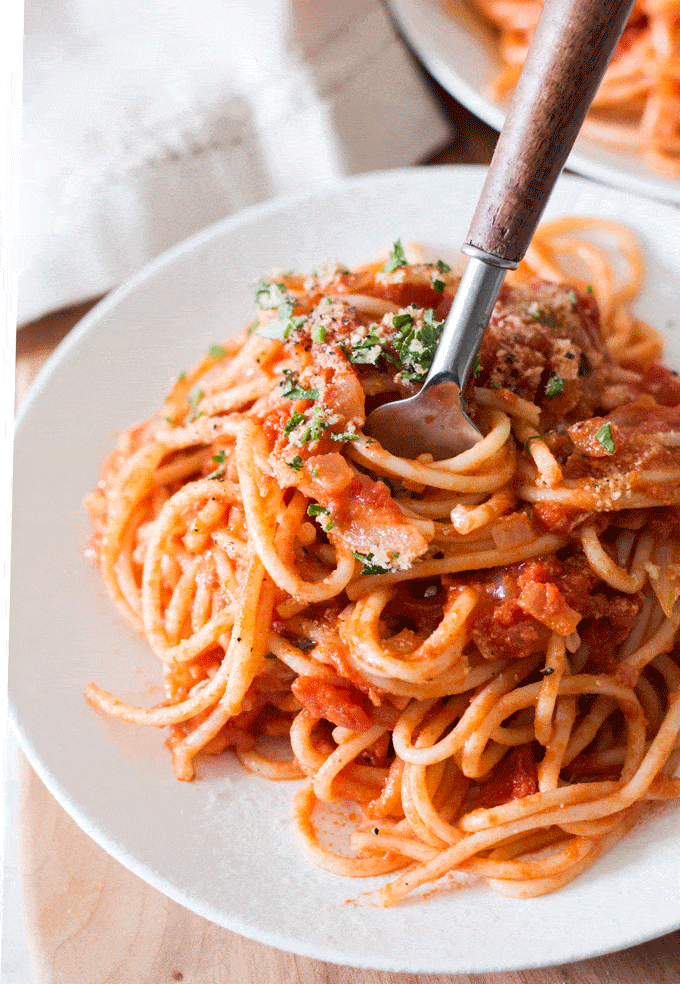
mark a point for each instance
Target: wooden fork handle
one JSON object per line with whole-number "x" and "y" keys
{"x": 571, "y": 48}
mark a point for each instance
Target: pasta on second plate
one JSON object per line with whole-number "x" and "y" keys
{"x": 637, "y": 106}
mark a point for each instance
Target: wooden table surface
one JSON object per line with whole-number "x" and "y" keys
{"x": 91, "y": 921}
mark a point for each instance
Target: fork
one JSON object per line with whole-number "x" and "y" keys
{"x": 569, "y": 53}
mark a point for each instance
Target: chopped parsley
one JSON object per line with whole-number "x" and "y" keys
{"x": 438, "y": 285}
{"x": 317, "y": 424}
{"x": 220, "y": 460}
{"x": 368, "y": 567}
{"x": 589, "y": 289}
{"x": 293, "y": 421}
{"x": 253, "y": 325}
{"x": 444, "y": 267}
{"x": 274, "y": 330}
{"x": 571, "y": 296}
{"x": 369, "y": 350}
{"x": 286, "y": 322}
{"x": 555, "y": 386}
{"x": 269, "y": 295}
{"x": 475, "y": 366}
{"x": 194, "y": 397}
{"x": 315, "y": 509}
{"x": 536, "y": 437}
{"x": 415, "y": 344}
{"x": 318, "y": 333}
{"x": 347, "y": 436}
{"x": 296, "y": 463}
{"x": 293, "y": 391}
{"x": 217, "y": 352}
{"x": 182, "y": 376}
{"x": 397, "y": 258}
{"x": 544, "y": 316}
{"x": 605, "y": 437}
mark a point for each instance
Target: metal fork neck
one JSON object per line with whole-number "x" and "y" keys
{"x": 466, "y": 323}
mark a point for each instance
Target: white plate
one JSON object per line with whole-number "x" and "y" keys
{"x": 223, "y": 846}
{"x": 461, "y": 53}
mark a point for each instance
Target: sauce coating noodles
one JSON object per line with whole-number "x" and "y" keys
{"x": 480, "y": 650}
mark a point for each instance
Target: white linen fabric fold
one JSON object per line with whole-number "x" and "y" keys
{"x": 145, "y": 120}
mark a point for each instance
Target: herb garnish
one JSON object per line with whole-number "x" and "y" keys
{"x": 571, "y": 296}
{"x": 216, "y": 352}
{"x": 194, "y": 397}
{"x": 444, "y": 267}
{"x": 293, "y": 391}
{"x": 293, "y": 421}
{"x": 295, "y": 463}
{"x": 397, "y": 258}
{"x": 287, "y": 322}
{"x": 475, "y": 366}
{"x": 368, "y": 566}
{"x": 317, "y": 424}
{"x": 318, "y": 333}
{"x": 274, "y": 330}
{"x": 416, "y": 345}
{"x": 535, "y": 437}
{"x": 555, "y": 386}
{"x": 269, "y": 295}
{"x": 438, "y": 285}
{"x": 315, "y": 509}
{"x": 347, "y": 436}
{"x": 544, "y": 316}
{"x": 220, "y": 460}
{"x": 369, "y": 350}
{"x": 605, "y": 437}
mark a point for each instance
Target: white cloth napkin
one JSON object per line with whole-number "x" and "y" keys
{"x": 145, "y": 120}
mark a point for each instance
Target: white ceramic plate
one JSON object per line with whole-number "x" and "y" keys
{"x": 461, "y": 53}
{"x": 223, "y": 846}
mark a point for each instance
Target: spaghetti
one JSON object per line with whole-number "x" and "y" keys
{"x": 637, "y": 107}
{"x": 478, "y": 650}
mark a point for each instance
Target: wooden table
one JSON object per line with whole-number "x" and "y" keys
{"x": 91, "y": 921}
